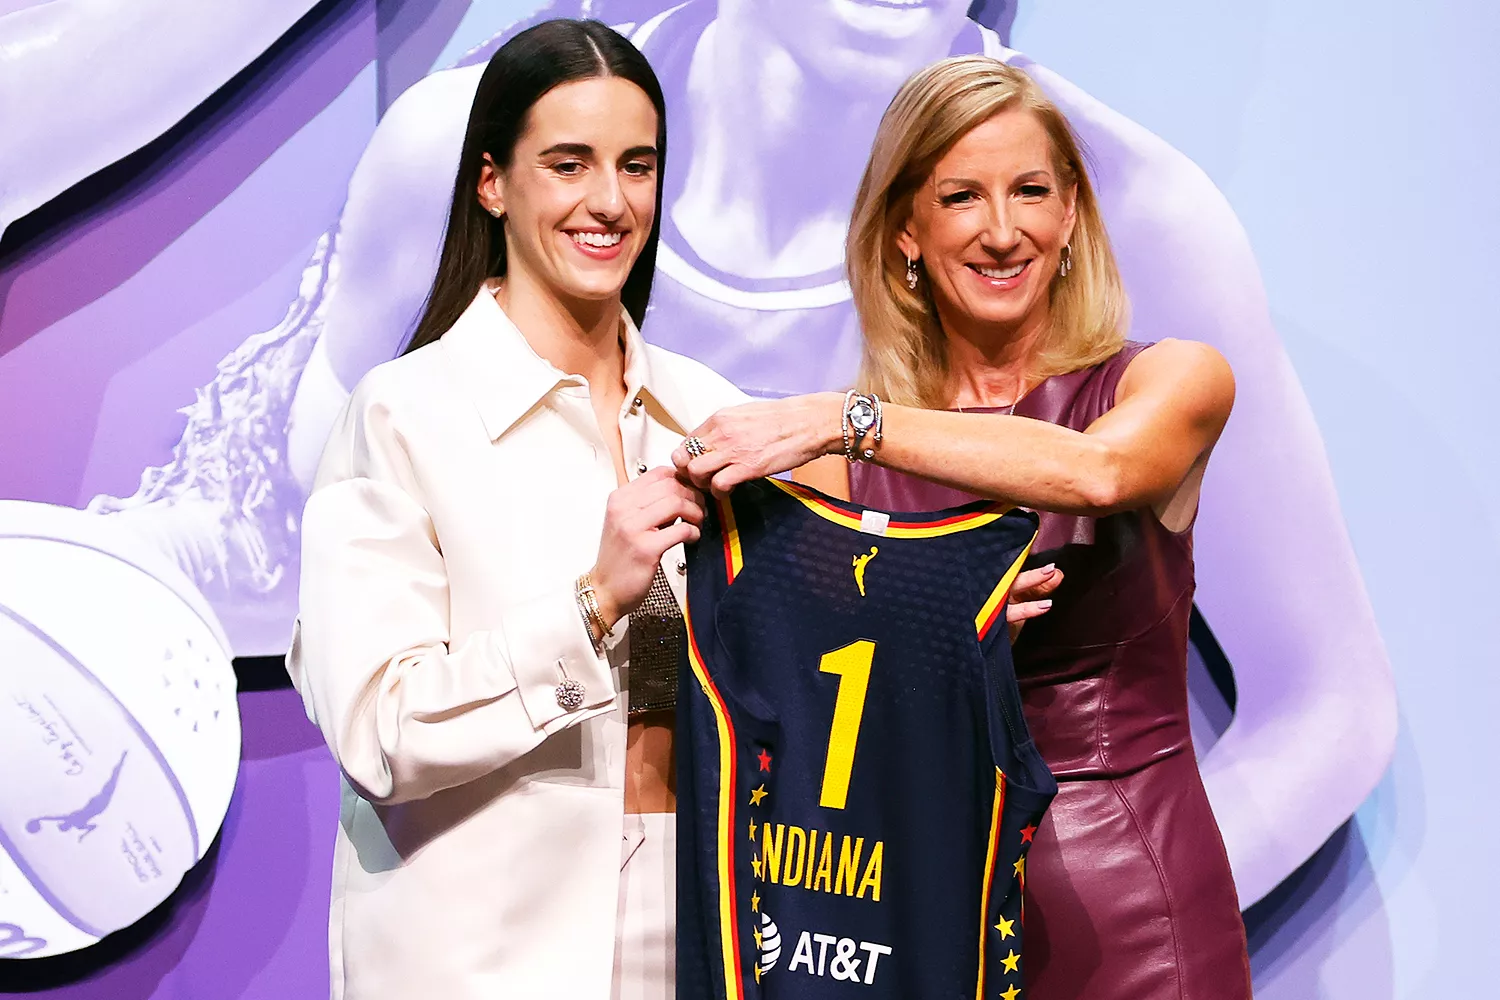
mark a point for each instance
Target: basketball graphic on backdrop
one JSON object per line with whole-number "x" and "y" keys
{"x": 118, "y": 727}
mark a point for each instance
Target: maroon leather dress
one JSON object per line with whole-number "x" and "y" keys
{"x": 1128, "y": 889}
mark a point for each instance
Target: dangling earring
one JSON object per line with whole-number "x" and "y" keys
{"x": 911, "y": 274}
{"x": 1066, "y": 264}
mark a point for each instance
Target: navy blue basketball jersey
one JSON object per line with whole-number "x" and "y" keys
{"x": 856, "y": 785}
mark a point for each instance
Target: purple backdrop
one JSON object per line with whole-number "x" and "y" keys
{"x": 197, "y": 306}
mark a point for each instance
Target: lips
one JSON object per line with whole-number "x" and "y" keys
{"x": 1000, "y": 273}
{"x": 1000, "y": 279}
{"x": 593, "y": 239}
{"x": 597, "y": 244}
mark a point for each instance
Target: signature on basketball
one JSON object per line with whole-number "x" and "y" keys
{"x": 82, "y": 818}
{"x": 50, "y": 735}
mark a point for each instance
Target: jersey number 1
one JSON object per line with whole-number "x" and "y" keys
{"x": 851, "y": 664}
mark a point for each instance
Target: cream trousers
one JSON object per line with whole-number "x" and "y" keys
{"x": 645, "y": 943}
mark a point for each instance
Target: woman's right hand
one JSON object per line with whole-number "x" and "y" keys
{"x": 642, "y": 520}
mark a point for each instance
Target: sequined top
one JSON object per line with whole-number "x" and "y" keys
{"x": 656, "y": 638}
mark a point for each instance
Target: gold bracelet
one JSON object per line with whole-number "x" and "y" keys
{"x": 589, "y": 604}
{"x": 583, "y": 613}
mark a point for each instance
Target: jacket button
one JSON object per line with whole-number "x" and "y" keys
{"x": 640, "y": 468}
{"x": 635, "y": 404}
{"x": 681, "y": 567}
{"x": 570, "y": 695}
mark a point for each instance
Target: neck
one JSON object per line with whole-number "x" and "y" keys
{"x": 989, "y": 365}
{"x": 579, "y": 337}
{"x": 776, "y": 154}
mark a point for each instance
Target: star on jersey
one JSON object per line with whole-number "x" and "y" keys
{"x": 1026, "y": 834}
{"x": 752, "y": 829}
{"x": 1012, "y": 962}
{"x": 764, "y": 759}
{"x": 1020, "y": 867}
{"x": 756, "y": 794}
{"x": 754, "y": 901}
{"x": 1011, "y": 993}
{"x": 1006, "y": 928}
{"x": 755, "y": 866}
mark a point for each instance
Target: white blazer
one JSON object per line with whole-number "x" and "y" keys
{"x": 461, "y": 494}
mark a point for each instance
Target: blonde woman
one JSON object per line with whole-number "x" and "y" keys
{"x": 994, "y": 322}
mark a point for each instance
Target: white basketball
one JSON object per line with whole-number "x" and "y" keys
{"x": 119, "y": 730}
{"x": 770, "y": 944}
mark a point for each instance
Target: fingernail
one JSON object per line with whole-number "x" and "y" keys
{"x": 1044, "y": 605}
{"x": 1048, "y": 569}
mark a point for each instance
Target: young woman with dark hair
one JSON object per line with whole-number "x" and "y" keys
{"x": 492, "y": 516}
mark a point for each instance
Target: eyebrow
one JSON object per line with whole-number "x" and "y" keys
{"x": 971, "y": 182}
{"x": 585, "y": 150}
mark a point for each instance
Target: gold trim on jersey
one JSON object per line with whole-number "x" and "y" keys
{"x": 989, "y": 876}
{"x": 930, "y": 528}
{"x": 994, "y": 607}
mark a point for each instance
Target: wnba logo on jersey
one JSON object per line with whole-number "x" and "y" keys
{"x": 860, "y": 563}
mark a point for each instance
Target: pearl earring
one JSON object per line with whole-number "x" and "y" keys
{"x": 1066, "y": 263}
{"x": 911, "y": 274}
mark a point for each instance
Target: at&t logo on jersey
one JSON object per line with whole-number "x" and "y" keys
{"x": 768, "y": 944}
{"x": 821, "y": 955}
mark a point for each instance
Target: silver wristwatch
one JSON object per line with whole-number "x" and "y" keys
{"x": 861, "y": 419}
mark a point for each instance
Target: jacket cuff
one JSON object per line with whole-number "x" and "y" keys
{"x": 559, "y": 675}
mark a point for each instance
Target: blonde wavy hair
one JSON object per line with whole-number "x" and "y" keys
{"x": 905, "y": 350}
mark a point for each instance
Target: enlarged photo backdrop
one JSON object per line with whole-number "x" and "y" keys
{"x": 215, "y": 224}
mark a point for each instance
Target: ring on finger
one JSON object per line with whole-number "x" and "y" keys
{"x": 695, "y": 446}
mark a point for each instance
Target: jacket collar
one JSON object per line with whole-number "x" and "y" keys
{"x": 506, "y": 379}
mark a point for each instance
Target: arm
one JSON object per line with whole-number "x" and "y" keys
{"x": 1278, "y": 582}
{"x": 406, "y": 709}
{"x": 1315, "y": 719}
{"x": 1171, "y": 405}
{"x": 386, "y": 249}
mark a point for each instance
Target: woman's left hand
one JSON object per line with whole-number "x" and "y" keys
{"x": 1031, "y": 596}
{"x": 764, "y": 438}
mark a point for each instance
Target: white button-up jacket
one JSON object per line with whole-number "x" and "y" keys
{"x": 461, "y": 494}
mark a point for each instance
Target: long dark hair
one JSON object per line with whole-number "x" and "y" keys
{"x": 518, "y": 75}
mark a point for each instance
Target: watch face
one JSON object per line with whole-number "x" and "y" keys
{"x": 862, "y": 416}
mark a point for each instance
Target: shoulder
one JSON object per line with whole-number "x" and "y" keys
{"x": 1188, "y": 370}
{"x": 389, "y": 407}
{"x": 394, "y": 384}
{"x": 435, "y": 92}
{"x": 702, "y": 390}
{"x": 435, "y": 108}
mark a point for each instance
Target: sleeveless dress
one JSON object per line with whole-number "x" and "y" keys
{"x": 1128, "y": 890}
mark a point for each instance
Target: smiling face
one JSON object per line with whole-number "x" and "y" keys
{"x": 579, "y": 193}
{"x": 989, "y": 226}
